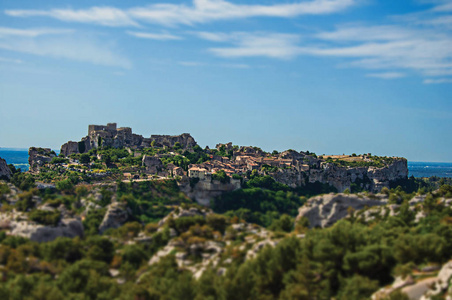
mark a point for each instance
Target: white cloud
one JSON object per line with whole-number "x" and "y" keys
{"x": 200, "y": 11}
{"x": 154, "y": 36}
{"x": 387, "y": 75}
{"x": 275, "y": 45}
{"x": 445, "y": 7}
{"x": 200, "y": 64}
{"x": 190, "y": 63}
{"x": 386, "y": 48}
{"x": 67, "y": 46}
{"x": 236, "y": 66}
{"x": 213, "y": 36}
{"x": 10, "y": 60}
{"x": 438, "y": 81}
{"x": 107, "y": 16}
{"x": 32, "y": 32}
{"x": 369, "y": 33}
{"x": 424, "y": 51}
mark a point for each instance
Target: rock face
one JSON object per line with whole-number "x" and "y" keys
{"x": 441, "y": 282}
{"x": 185, "y": 140}
{"x": 20, "y": 226}
{"x": 205, "y": 190}
{"x": 116, "y": 215}
{"x": 323, "y": 211}
{"x": 153, "y": 164}
{"x": 371, "y": 178}
{"x": 110, "y": 135}
{"x": 424, "y": 289}
{"x": 37, "y": 157}
{"x": 4, "y": 169}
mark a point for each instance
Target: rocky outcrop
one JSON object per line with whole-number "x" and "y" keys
{"x": 205, "y": 190}
{"x": 19, "y": 225}
{"x": 185, "y": 140}
{"x": 424, "y": 289}
{"x": 69, "y": 148}
{"x": 153, "y": 164}
{"x": 440, "y": 283}
{"x": 290, "y": 177}
{"x": 372, "y": 179}
{"x": 180, "y": 212}
{"x": 323, "y": 211}
{"x": 111, "y": 136}
{"x": 5, "y": 172}
{"x": 37, "y": 157}
{"x": 116, "y": 215}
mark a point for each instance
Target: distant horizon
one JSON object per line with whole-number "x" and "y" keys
{"x": 409, "y": 161}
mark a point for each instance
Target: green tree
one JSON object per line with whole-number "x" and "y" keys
{"x": 85, "y": 158}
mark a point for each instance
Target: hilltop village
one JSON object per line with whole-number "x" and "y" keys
{"x": 108, "y": 149}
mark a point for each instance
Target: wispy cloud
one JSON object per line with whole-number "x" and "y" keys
{"x": 66, "y": 45}
{"x": 425, "y": 51}
{"x": 393, "y": 49}
{"x": 202, "y": 64}
{"x": 10, "y": 60}
{"x": 274, "y": 45}
{"x": 438, "y": 81}
{"x": 154, "y": 36}
{"x": 387, "y": 75}
{"x": 191, "y": 63}
{"x": 31, "y": 32}
{"x": 200, "y": 11}
{"x": 107, "y": 16}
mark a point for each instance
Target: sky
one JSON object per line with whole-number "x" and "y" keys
{"x": 328, "y": 76}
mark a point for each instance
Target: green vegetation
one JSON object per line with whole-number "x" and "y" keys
{"x": 262, "y": 200}
{"x": 350, "y": 260}
{"x": 221, "y": 176}
{"x": 151, "y": 200}
{"x": 45, "y": 217}
{"x": 374, "y": 161}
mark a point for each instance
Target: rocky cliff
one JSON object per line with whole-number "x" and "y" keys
{"x": 323, "y": 211}
{"x": 369, "y": 178}
{"x": 109, "y": 135}
{"x": 17, "y": 224}
{"x": 4, "y": 169}
{"x": 37, "y": 157}
{"x": 205, "y": 190}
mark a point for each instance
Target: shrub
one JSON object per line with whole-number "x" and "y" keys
{"x": 50, "y": 218}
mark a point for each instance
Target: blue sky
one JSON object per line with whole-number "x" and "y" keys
{"x": 329, "y": 76}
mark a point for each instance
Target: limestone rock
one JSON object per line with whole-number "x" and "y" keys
{"x": 185, "y": 140}
{"x": 116, "y": 215}
{"x": 153, "y": 164}
{"x": 373, "y": 179}
{"x": 4, "y": 169}
{"x": 205, "y": 190}
{"x": 441, "y": 282}
{"x": 399, "y": 283}
{"x": 20, "y": 226}
{"x": 325, "y": 210}
{"x": 180, "y": 212}
{"x": 69, "y": 148}
{"x": 37, "y": 157}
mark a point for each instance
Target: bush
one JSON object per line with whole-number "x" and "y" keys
{"x": 65, "y": 185}
{"x": 59, "y": 160}
{"x": 182, "y": 224}
{"x": 50, "y": 218}
{"x": 221, "y": 176}
{"x": 134, "y": 255}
